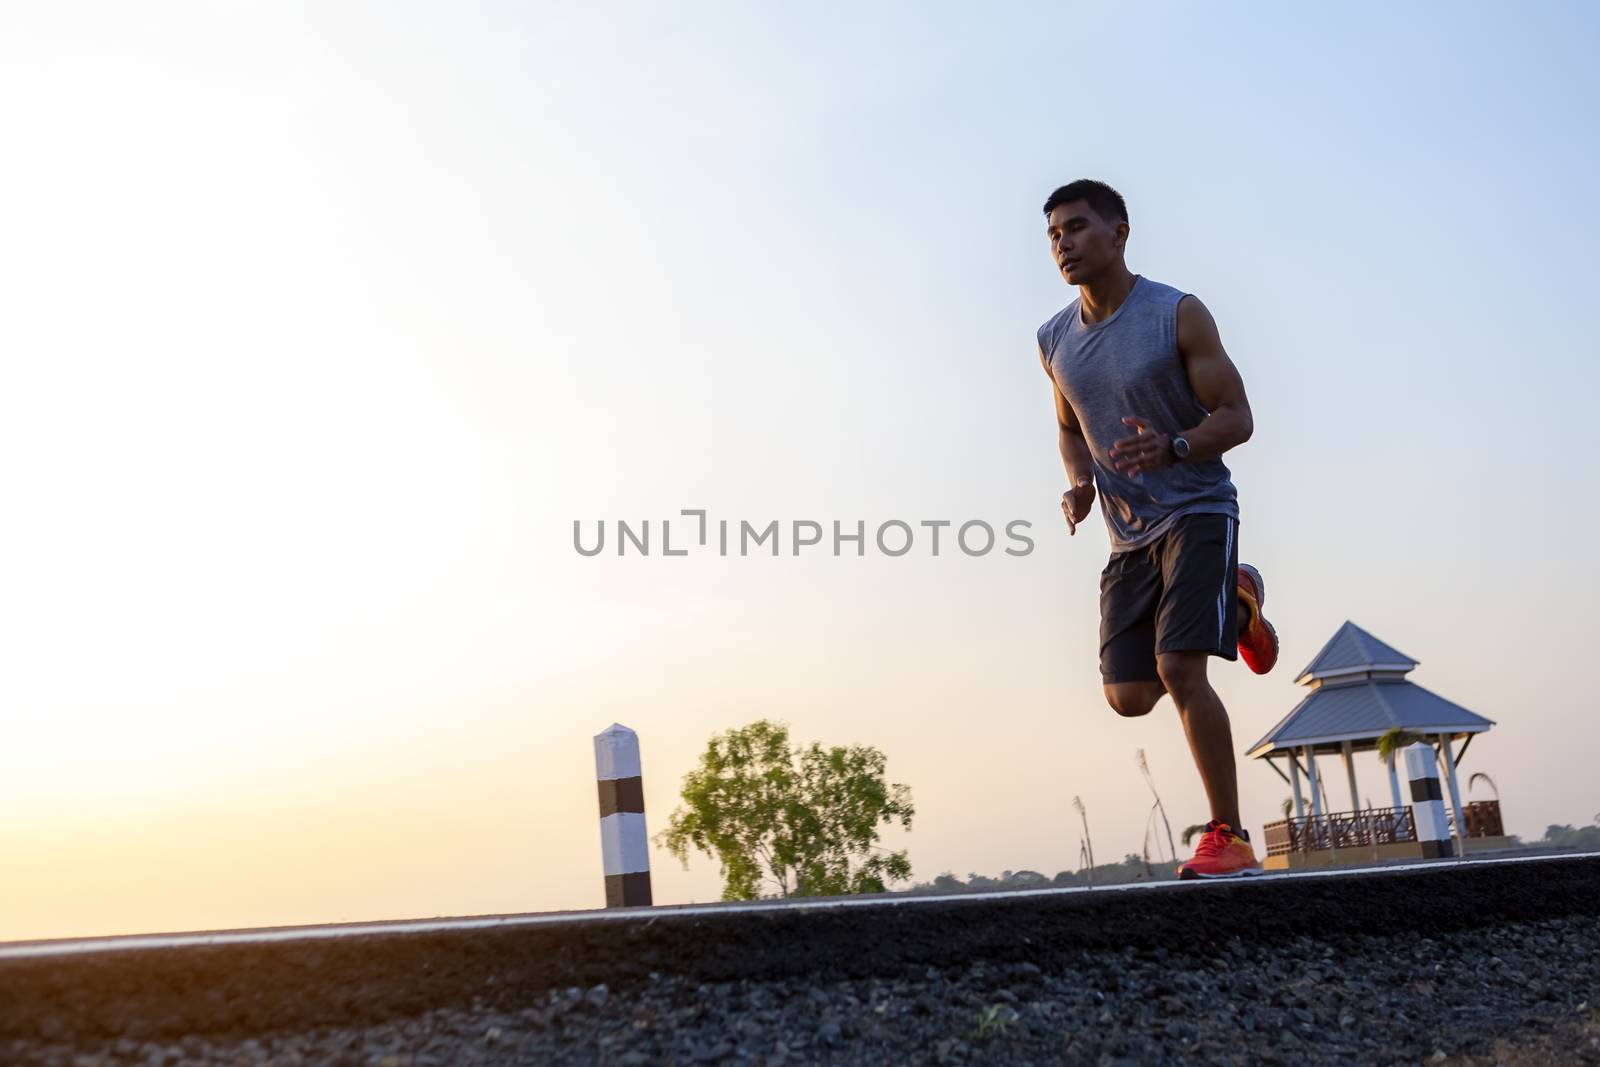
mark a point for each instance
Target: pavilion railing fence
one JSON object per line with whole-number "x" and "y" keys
{"x": 1375, "y": 826}
{"x": 1340, "y": 830}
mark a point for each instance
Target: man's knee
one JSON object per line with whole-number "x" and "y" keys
{"x": 1182, "y": 673}
{"x": 1133, "y": 699}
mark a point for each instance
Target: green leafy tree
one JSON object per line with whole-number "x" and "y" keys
{"x": 807, "y": 820}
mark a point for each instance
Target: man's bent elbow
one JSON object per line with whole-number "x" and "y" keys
{"x": 1247, "y": 427}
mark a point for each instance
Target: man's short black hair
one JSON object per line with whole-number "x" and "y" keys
{"x": 1106, "y": 201}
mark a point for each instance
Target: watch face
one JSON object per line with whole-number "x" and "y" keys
{"x": 1180, "y": 447}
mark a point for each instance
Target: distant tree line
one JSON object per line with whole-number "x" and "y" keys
{"x": 1132, "y": 868}
{"x": 1584, "y": 838}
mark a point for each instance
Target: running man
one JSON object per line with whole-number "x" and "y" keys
{"x": 1147, "y": 401}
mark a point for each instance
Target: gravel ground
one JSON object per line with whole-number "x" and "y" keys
{"x": 1516, "y": 994}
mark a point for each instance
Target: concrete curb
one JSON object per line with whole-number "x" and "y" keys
{"x": 376, "y": 975}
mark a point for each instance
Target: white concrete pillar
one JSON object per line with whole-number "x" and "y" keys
{"x": 624, "y": 842}
{"x": 1427, "y": 802}
{"x": 1455, "y": 794}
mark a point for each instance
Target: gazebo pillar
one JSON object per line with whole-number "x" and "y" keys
{"x": 1348, "y": 753}
{"x": 1394, "y": 791}
{"x": 1455, "y": 794}
{"x": 1294, "y": 784}
{"x": 1316, "y": 786}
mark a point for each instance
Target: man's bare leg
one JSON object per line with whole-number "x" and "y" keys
{"x": 1132, "y": 699}
{"x": 1205, "y": 722}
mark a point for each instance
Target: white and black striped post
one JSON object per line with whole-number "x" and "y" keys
{"x": 1427, "y": 802}
{"x": 624, "y": 844}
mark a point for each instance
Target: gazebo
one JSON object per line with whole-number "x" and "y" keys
{"x": 1359, "y": 692}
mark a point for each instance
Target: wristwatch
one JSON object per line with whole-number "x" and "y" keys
{"x": 1180, "y": 448}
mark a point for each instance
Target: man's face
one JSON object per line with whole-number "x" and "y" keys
{"x": 1082, "y": 243}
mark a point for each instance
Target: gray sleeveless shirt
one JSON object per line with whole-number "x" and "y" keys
{"x": 1128, "y": 364}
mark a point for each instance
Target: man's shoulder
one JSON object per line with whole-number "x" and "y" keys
{"x": 1160, "y": 292}
{"x": 1054, "y": 322}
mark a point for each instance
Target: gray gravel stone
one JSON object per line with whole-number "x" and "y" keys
{"x": 1397, "y": 999}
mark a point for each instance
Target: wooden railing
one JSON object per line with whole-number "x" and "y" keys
{"x": 1483, "y": 819}
{"x": 1340, "y": 830}
{"x": 1376, "y": 826}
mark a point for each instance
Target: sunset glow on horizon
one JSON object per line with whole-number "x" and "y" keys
{"x": 324, "y": 326}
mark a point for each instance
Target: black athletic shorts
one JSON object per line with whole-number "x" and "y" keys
{"x": 1176, "y": 594}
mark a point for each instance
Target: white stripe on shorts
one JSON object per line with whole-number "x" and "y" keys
{"x": 1222, "y": 597}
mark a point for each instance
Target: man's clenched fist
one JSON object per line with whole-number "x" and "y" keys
{"x": 1075, "y": 502}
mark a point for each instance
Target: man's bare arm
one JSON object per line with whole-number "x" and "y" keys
{"x": 1074, "y": 449}
{"x": 1076, "y": 501}
{"x": 1217, "y": 385}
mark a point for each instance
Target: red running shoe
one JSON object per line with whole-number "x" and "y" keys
{"x": 1220, "y": 854}
{"x": 1258, "y": 641}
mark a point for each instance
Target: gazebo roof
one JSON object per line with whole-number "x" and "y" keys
{"x": 1363, "y": 712}
{"x": 1359, "y": 693}
{"x": 1352, "y": 651}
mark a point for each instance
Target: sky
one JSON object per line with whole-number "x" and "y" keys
{"x": 323, "y": 324}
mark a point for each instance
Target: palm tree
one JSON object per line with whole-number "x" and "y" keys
{"x": 1288, "y": 806}
{"x": 1391, "y": 741}
{"x": 1190, "y": 831}
{"x": 1144, "y": 769}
